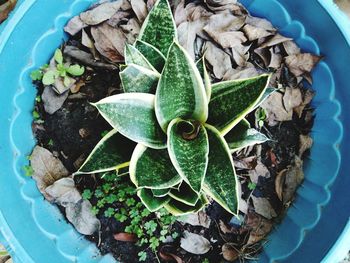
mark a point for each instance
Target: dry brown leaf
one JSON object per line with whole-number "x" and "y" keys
{"x": 259, "y": 22}
{"x": 241, "y": 72}
{"x": 276, "y": 59}
{"x": 194, "y": 243}
{"x": 302, "y": 63}
{"x": 86, "y": 40}
{"x": 291, "y": 48}
{"x": 224, "y": 22}
{"x": 229, "y": 253}
{"x": 196, "y": 219}
{"x": 246, "y": 163}
{"x": 254, "y": 33}
{"x": 275, "y": 110}
{"x": 222, "y": 5}
{"x": 227, "y": 39}
{"x": 292, "y": 98}
{"x": 259, "y": 170}
{"x": 275, "y": 40}
{"x": 180, "y": 14}
{"x": 279, "y": 183}
{"x": 86, "y": 58}
{"x": 187, "y": 32}
{"x": 81, "y": 216}
{"x": 6, "y": 8}
{"x": 293, "y": 179}
{"x": 305, "y": 143}
{"x": 109, "y": 41}
{"x": 262, "y": 206}
{"x": 131, "y": 30}
{"x": 307, "y": 98}
{"x": 100, "y": 13}
{"x": 240, "y": 54}
{"x": 220, "y": 60}
{"x": 126, "y": 237}
{"x": 167, "y": 256}
{"x": 264, "y": 55}
{"x": 259, "y": 227}
{"x": 47, "y": 169}
{"x": 53, "y": 101}
{"x": 74, "y": 25}
{"x": 119, "y": 16}
{"x": 63, "y": 192}
{"x": 140, "y": 9}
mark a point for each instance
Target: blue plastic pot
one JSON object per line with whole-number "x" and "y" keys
{"x": 316, "y": 227}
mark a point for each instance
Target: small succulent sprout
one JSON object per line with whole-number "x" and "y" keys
{"x": 185, "y": 127}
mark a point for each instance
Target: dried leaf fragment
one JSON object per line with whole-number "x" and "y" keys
{"x": 302, "y": 63}
{"x": 194, "y": 243}
{"x": 263, "y": 207}
{"x": 64, "y": 192}
{"x": 229, "y": 253}
{"x": 100, "y": 13}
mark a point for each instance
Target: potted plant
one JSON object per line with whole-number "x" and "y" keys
{"x": 186, "y": 126}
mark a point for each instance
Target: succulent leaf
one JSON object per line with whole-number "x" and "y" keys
{"x": 188, "y": 150}
{"x": 152, "y": 169}
{"x": 242, "y": 136}
{"x": 152, "y": 202}
{"x": 134, "y": 56}
{"x": 152, "y": 54}
{"x": 205, "y": 76}
{"x": 232, "y": 100}
{"x": 112, "y": 152}
{"x": 132, "y": 114}
{"x": 221, "y": 181}
{"x": 160, "y": 192}
{"x": 178, "y": 208}
{"x": 135, "y": 78}
{"x": 159, "y": 28}
{"x": 180, "y": 91}
{"x": 185, "y": 194}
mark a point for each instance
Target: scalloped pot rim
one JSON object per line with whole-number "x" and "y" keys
{"x": 58, "y": 241}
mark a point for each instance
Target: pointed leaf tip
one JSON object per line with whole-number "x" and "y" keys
{"x": 180, "y": 91}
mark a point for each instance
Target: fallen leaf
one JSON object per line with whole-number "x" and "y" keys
{"x": 180, "y": 14}
{"x": 247, "y": 71}
{"x": 224, "y": 22}
{"x": 302, "y": 63}
{"x": 305, "y": 143}
{"x": 196, "y": 219}
{"x": 167, "y": 256}
{"x": 225, "y": 228}
{"x": 246, "y": 163}
{"x": 222, "y": 5}
{"x": 115, "y": 20}
{"x": 292, "y": 98}
{"x": 140, "y": 9}
{"x": 240, "y": 54}
{"x": 82, "y": 218}
{"x": 259, "y": 227}
{"x": 275, "y": 110}
{"x": 229, "y": 252}
{"x": 254, "y": 33}
{"x": 74, "y": 26}
{"x": 307, "y": 98}
{"x": 264, "y": 55}
{"x": 263, "y": 207}
{"x": 291, "y": 48}
{"x": 86, "y": 40}
{"x": 86, "y": 58}
{"x": 194, "y": 243}
{"x": 126, "y": 237}
{"x": 187, "y": 32}
{"x": 259, "y": 22}
{"x": 259, "y": 170}
{"x": 64, "y": 192}
{"x": 293, "y": 178}
{"x": 279, "y": 183}
{"x": 219, "y": 59}
{"x": 47, "y": 169}
{"x": 109, "y": 41}
{"x": 5, "y": 8}
{"x": 227, "y": 39}
{"x": 53, "y": 101}
{"x": 100, "y": 13}
{"x": 276, "y": 59}
{"x": 275, "y": 40}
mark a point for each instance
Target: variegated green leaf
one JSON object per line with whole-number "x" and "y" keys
{"x": 242, "y": 136}
{"x": 111, "y": 153}
{"x": 134, "y": 56}
{"x": 159, "y": 28}
{"x": 178, "y": 208}
{"x": 180, "y": 91}
{"x": 152, "y": 54}
{"x": 185, "y": 194}
{"x": 221, "y": 181}
{"x": 160, "y": 192}
{"x": 132, "y": 114}
{"x": 152, "y": 169}
{"x": 232, "y": 100}
{"x": 152, "y": 202}
{"x": 188, "y": 150}
{"x": 205, "y": 76}
{"x": 135, "y": 78}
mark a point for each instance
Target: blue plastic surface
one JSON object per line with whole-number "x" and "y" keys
{"x": 36, "y": 231}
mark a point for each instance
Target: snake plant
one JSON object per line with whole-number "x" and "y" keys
{"x": 172, "y": 128}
